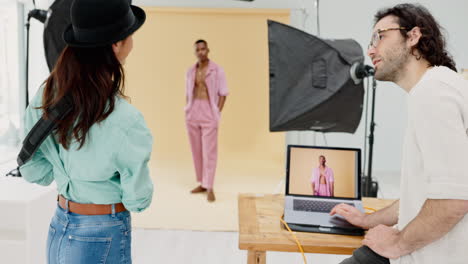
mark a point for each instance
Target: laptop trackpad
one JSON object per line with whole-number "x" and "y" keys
{"x": 340, "y": 222}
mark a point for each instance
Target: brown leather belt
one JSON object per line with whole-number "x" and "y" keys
{"x": 90, "y": 209}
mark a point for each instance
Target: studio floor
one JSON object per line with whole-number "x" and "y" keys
{"x": 184, "y": 228}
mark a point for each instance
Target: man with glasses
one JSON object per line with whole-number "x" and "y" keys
{"x": 407, "y": 48}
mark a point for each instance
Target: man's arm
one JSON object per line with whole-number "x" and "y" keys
{"x": 387, "y": 216}
{"x": 436, "y": 218}
{"x": 222, "y": 100}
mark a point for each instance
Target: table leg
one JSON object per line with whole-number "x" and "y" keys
{"x": 256, "y": 257}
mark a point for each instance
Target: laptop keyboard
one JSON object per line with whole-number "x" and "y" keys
{"x": 315, "y": 205}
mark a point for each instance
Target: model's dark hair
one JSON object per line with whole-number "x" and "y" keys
{"x": 201, "y": 41}
{"x": 432, "y": 44}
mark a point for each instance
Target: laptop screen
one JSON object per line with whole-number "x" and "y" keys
{"x": 323, "y": 172}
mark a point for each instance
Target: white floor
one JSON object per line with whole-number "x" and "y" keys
{"x": 173, "y": 246}
{"x": 177, "y": 246}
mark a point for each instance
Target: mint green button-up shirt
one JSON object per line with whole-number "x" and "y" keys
{"x": 111, "y": 167}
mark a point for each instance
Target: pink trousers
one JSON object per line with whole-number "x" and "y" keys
{"x": 202, "y": 128}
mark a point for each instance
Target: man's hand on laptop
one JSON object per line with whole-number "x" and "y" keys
{"x": 351, "y": 214}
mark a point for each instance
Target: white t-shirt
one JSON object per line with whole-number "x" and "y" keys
{"x": 435, "y": 160}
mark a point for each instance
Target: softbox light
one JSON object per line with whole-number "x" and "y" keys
{"x": 310, "y": 82}
{"x": 59, "y": 19}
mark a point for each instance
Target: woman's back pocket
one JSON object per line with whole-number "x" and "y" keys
{"x": 89, "y": 250}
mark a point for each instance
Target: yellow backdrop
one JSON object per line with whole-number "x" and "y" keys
{"x": 250, "y": 158}
{"x": 163, "y": 51}
{"x": 304, "y": 160}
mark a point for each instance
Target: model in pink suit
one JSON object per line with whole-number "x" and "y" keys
{"x": 206, "y": 92}
{"x": 322, "y": 179}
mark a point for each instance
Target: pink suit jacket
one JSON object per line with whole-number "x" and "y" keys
{"x": 216, "y": 84}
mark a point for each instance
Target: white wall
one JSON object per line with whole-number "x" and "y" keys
{"x": 338, "y": 19}
{"x": 225, "y": 3}
{"x": 10, "y": 86}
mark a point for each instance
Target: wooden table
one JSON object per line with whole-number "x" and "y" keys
{"x": 260, "y": 229}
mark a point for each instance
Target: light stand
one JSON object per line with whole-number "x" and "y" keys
{"x": 358, "y": 72}
{"x": 40, "y": 15}
{"x": 371, "y": 187}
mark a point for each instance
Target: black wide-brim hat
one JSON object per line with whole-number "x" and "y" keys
{"x": 96, "y": 23}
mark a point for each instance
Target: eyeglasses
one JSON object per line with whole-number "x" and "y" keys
{"x": 376, "y": 36}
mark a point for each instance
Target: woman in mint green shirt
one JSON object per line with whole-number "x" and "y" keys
{"x": 98, "y": 154}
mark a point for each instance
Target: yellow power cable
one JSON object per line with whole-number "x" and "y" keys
{"x": 297, "y": 241}
{"x": 370, "y": 209}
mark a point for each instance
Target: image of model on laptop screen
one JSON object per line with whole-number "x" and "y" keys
{"x": 323, "y": 172}
{"x": 322, "y": 179}
{"x": 317, "y": 180}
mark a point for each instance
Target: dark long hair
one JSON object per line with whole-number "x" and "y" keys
{"x": 432, "y": 44}
{"x": 91, "y": 78}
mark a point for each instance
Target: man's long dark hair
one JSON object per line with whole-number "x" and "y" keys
{"x": 432, "y": 44}
{"x": 92, "y": 78}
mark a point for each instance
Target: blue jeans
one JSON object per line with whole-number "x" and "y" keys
{"x": 89, "y": 239}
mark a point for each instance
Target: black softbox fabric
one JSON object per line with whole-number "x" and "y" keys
{"x": 59, "y": 19}
{"x": 310, "y": 83}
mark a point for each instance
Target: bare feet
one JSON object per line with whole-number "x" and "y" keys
{"x": 198, "y": 189}
{"x": 211, "y": 196}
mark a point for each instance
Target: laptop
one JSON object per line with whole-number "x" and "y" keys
{"x": 318, "y": 179}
